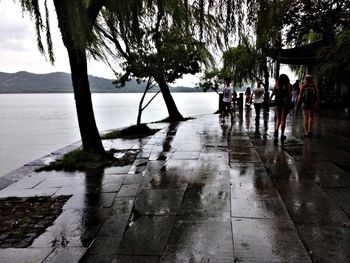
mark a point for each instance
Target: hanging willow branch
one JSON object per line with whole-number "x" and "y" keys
{"x": 48, "y": 35}
{"x": 32, "y": 7}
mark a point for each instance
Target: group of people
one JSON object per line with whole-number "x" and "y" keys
{"x": 228, "y": 97}
{"x": 287, "y": 97}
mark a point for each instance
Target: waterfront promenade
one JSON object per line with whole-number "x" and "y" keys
{"x": 204, "y": 190}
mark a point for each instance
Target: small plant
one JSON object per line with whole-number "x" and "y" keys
{"x": 78, "y": 160}
{"x": 168, "y": 120}
{"x": 135, "y": 131}
{"x": 82, "y": 161}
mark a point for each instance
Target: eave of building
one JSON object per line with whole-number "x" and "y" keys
{"x": 301, "y": 55}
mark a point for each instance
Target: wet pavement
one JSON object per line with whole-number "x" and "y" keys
{"x": 202, "y": 191}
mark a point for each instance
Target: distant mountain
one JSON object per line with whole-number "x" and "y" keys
{"x": 60, "y": 82}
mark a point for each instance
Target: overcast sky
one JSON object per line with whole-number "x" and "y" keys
{"x": 19, "y": 51}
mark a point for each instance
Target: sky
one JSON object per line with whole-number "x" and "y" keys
{"x": 19, "y": 51}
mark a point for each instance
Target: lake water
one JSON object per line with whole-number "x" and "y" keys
{"x": 33, "y": 125}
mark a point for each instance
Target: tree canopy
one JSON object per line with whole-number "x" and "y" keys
{"x": 243, "y": 63}
{"x": 162, "y": 39}
{"x": 334, "y": 65}
{"x": 325, "y": 17}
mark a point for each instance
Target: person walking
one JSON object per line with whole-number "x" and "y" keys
{"x": 258, "y": 95}
{"x": 295, "y": 93}
{"x": 234, "y": 99}
{"x": 247, "y": 94}
{"x": 227, "y": 98}
{"x": 310, "y": 100}
{"x": 346, "y": 102}
{"x": 282, "y": 93}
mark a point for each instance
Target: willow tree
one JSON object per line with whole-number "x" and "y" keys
{"x": 328, "y": 23}
{"x": 264, "y": 21}
{"x": 75, "y": 20}
{"x": 243, "y": 63}
{"x": 334, "y": 65}
{"x": 153, "y": 40}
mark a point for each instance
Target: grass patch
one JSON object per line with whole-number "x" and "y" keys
{"x": 132, "y": 132}
{"x": 82, "y": 161}
{"x": 168, "y": 120}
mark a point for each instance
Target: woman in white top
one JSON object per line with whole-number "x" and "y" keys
{"x": 227, "y": 97}
{"x": 258, "y": 95}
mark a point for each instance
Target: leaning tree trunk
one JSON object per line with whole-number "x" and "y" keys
{"x": 75, "y": 20}
{"x": 88, "y": 130}
{"x": 174, "y": 114}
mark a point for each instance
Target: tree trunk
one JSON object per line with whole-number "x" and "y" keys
{"x": 138, "y": 122}
{"x": 174, "y": 114}
{"x": 267, "y": 84}
{"x": 75, "y": 20}
{"x": 88, "y": 130}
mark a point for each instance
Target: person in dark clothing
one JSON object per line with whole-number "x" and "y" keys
{"x": 282, "y": 93}
{"x": 346, "y": 102}
{"x": 248, "y": 94}
{"x": 295, "y": 93}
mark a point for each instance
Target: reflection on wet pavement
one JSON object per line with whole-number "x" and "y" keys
{"x": 308, "y": 176}
{"x": 205, "y": 190}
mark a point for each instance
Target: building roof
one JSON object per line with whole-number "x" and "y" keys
{"x": 301, "y": 55}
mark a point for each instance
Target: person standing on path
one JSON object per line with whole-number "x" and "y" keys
{"x": 258, "y": 95}
{"x": 310, "y": 100}
{"x": 295, "y": 93}
{"x": 248, "y": 94}
{"x": 282, "y": 93}
{"x": 227, "y": 98}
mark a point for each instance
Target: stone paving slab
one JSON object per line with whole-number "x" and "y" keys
{"x": 106, "y": 243}
{"x": 24, "y": 255}
{"x": 210, "y": 199}
{"x": 208, "y": 179}
{"x": 251, "y": 182}
{"x": 319, "y": 210}
{"x": 327, "y": 243}
{"x": 73, "y": 228}
{"x": 129, "y": 190}
{"x": 329, "y": 175}
{"x": 159, "y": 202}
{"x": 267, "y": 240}
{"x": 90, "y": 201}
{"x": 27, "y": 192}
{"x": 70, "y": 254}
{"x": 342, "y": 197}
{"x": 199, "y": 241}
{"x": 26, "y": 183}
{"x": 168, "y": 180}
{"x": 146, "y": 235}
{"x": 135, "y": 259}
{"x": 263, "y": 208}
